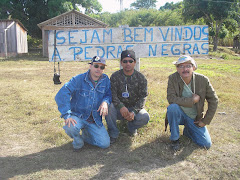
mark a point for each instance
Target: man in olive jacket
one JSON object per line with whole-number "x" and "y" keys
{"x": 186, "y": 94}
{"x": 129, "y": 94}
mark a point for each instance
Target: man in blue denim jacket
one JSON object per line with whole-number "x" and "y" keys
{"x": 82, "y": 102}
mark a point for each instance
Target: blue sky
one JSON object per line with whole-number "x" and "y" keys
{"x": 113, "y": 6}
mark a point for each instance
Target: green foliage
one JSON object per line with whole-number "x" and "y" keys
{"x": 231, "y": 25}
{"x": 213, "y": 12}
{"x": 223, "y": 32}
{"x": 171, "y": 6}
{"x": 211, "y": 31}
{"x": 169, "y": 18}
{"x": 34, "y": 42}
{"x": 4, "y": 6}
{"x": 144, "y": 4}
{"x": 142, "y": 17}
{"x": 210, "y": 10}
{"x": 91, "y": 6}
{"x": 224, "y": 53}
{"x": 31, "y": 13}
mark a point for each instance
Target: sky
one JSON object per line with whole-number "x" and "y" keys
{"x": 113, "y": 6}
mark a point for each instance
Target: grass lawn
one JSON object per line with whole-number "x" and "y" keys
{"x": 33, "y": 144}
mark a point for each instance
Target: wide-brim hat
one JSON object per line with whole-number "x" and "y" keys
{"x": 185, "y": 58}
{"x": 98, "y": 59}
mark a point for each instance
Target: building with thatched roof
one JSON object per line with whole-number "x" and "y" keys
{"x": 69, "y": 20}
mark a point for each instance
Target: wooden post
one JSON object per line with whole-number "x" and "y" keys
{"x": 43, "y": 44}
{"x": 5, "y": 43}
{"x": 137, "y": 66}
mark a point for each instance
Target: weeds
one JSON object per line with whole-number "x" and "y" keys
{"x": 30, "y": 122}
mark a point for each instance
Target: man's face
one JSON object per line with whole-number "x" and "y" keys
{"x": 96, "y": 70}
{"x": 185, "y": 70}
{"x": 128, "y": 64}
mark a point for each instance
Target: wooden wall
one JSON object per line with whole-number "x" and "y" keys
{"x": 22, "y": 45}
{"x": 15, "y": 37}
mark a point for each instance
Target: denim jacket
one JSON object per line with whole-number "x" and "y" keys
{"x": 79, "y": 97}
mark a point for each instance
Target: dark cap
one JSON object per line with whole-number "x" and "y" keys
{"x": 128, "y": 53}
{"x": 98, "y": 59}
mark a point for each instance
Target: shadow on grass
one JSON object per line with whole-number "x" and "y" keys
{"x": 114, "y": 162}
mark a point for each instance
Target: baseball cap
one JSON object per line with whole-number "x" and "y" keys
{"x": 128, "y": 53}
{"x": 185, "y": 58}
{"x": 98, "y": 59}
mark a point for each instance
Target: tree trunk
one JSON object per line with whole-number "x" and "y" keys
{"x": 215, "y": 38}
{"x": 215, "y": 42}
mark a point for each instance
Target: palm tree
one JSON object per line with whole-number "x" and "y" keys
{"x": 121, "y": 4}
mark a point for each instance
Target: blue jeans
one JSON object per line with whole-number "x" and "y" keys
{"x": 91, "y": 133}
{"x": 177, "y": 117}
{"x": 114, "y": 114}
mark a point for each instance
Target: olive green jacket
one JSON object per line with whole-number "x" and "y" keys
{"x": 203, "y": 88}
{"x": 136, "y": 87}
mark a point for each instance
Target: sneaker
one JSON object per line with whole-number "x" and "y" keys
{"x": 175, "y": 145}
{"x": 112, "y": 140}
{"x": 134, "y": 133}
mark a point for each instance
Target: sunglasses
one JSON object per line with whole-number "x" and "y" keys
{"x": 182, "y": 66}
{"x": 126, "y": 61}
{"x": 97, "y": 66}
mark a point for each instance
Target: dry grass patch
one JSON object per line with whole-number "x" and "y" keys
{"x": 33, "y": 144}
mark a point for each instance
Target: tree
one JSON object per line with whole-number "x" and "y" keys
{"x": 91, "y": 6}
{"x": 213, "y": 12}
{"x": 146, "y": 4}
{"x": 171, "y": 6}
{"x": 142, "y": 17}
{"x": 30, "y": 13}
{"x": 233, "y": 22}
